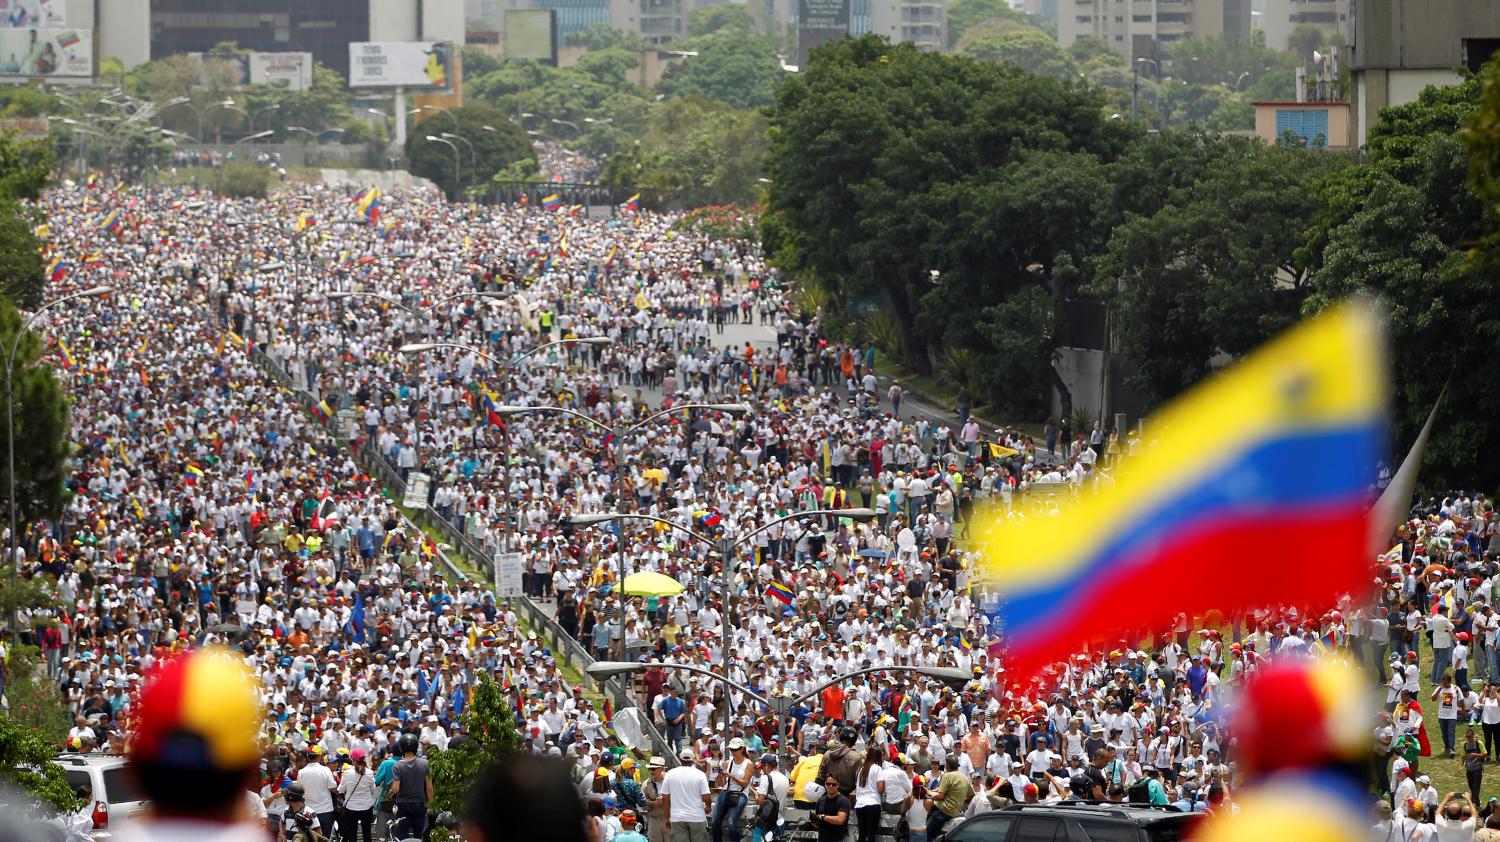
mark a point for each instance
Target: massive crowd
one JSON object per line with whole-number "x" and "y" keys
{"x": 206, "y": 493}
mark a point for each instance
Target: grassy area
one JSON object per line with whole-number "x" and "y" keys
{"x": 1447, "y": 773}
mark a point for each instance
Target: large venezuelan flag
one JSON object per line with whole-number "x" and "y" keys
{"x": 1254, "y": 490}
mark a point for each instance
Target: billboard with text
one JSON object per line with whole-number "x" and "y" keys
{"x": 818, "y": 22}
{"x": 46, "y": 52}
{"x": 401, "y": 64}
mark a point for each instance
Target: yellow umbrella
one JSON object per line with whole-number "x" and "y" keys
{"x": 654, "y": 474}
{"x": 652, "y": 584}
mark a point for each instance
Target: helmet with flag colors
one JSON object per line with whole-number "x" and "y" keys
{"x": 1302, "y": 715}
{"x": 198, "y": 719}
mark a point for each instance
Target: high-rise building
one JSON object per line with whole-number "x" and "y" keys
{"x": 924, "y": 23}
{"x": 1283, "y": 16}
{"x": 1140, "y": 28}
{"x": 1399, "y": 47}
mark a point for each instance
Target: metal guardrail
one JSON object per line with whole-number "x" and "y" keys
{"x": 556, "y": 637}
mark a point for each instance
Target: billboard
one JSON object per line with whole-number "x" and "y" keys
{"x": 32, "y": 14}
{"x": 46, "y": 52}
{"x": 531, "y": 34}
{"x": 232, "y": 69}
{"x": 293, "y": 71}
{"x": 400, "y": 64}
{"x": 818, "y": 22}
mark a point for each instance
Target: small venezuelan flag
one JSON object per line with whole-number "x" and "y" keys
{"x": 552, "y": 202}
{"x": 67, "y": 355}
{"x": 1259, "y": 476}
{"x": 306, "y": 220}
{"x": 193, "y": 470}
{"x": 780, "y": 592}
{"x": 68, "y": 40}
{"x": 95, "y": 259}
{"x": 633, "y": 203}
{"x": 111, "y": 222}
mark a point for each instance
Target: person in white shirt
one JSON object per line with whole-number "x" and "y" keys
{"x": 685, "y": 790}
{"x": 770, "y": 783}
{"x": 318, "y": 784}
{"x": 357, "y": 785}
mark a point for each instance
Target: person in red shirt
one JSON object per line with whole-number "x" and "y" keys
{"x": 833, "y": 703}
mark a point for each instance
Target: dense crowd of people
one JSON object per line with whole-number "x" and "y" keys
{"x": 212, "y": 502}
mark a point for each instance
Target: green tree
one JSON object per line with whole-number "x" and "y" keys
{"x": 41, "y": 410}
{"x": 742, "y": 71}
{"x": 490, "y": 729}
{"x": 728, "y": 18}
{"x": 602, "y": 36}
{"x": 696, "y": 151}
{"x": 1398, "y": 138}
{"x": 1216, "y": 268}
{"x": 477, "y": 62}
{"x": 1027, "y": 48}
{"x": 324, "y": 105}
{"x": 965, "y": 14}
{"x": 494, "y": 148}
{"x": 1220, "y": 60}
{"x": 26, "y": 763}
{"x": 888, "y": 163}
{"x": 1095, "y": 52}
{"x": 1305, "y": 38}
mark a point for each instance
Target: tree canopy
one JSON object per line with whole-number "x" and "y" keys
{"x": 487, "y": 141}
{"x": 739, "y": 70}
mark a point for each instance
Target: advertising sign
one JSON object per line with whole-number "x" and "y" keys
{"x": 46, "y": 52}
{"x": 32, "y": 14}
{"x": 403, "y": 64}
{"x": 508, "y": 570}
{"x": 293, "y": 71}
{"x": 417, "y": 484}
{"x": 531, "y": 34}
{"x": 818, "y": 22}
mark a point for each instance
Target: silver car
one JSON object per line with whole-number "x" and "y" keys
{"x": 115, "y": 794}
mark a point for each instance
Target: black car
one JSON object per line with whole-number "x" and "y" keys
{"x": 1075, "y": 821}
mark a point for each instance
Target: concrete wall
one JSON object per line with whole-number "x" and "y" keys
{"x": 1419, "y": 33}
{"x": 1082, "y": 369}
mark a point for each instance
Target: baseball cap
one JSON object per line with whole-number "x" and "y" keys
{"x": 198, "y": 712}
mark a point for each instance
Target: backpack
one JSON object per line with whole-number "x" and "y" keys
{"x": 768, "y": 814}
{"x": 1139, "y": 792}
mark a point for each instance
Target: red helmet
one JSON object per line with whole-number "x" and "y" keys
{"x": 1463, "y": 637}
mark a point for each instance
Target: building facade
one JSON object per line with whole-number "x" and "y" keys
{"x": 1283, "y": 16}
{"x": 1398, "y": 47}
{"x": 1140, "y": 28}
{"x": 322, "y": 27}
{"x": 924, "y": 23}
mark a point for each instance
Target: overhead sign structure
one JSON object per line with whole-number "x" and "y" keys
{"x": 818, "y": 22}
{"x": 46, "y": 52}
{"x": 531, "y": 34}
{"x": 32, "y": 14}
{"x": 415, "y": 65}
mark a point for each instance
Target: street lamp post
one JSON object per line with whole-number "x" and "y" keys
{"x": 457, "y": 177}
{"x": 10, "y": 437}
{"x": 617, "y": 441}
{"x": 473, "y": 155}
{"x": 725, "y": 547}
{"x": 779, "y": 705}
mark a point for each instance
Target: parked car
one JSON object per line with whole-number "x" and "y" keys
{"x": 1074, "y": 821}
{"x": 116, "y": 795}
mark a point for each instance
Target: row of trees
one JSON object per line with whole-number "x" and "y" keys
{"x": 973, "y": 199}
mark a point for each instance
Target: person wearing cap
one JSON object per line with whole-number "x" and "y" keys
{"x": 770, "y": 784}
{"x": 318, "y": 782}
{"x": 194, "y": 751}
{"x": 656, "y": 816}
{"x": 730, "y": 805}
{"x": 357, "y": 786}
{"x": 950, "y": 797}
{"x": 685, "y": 796}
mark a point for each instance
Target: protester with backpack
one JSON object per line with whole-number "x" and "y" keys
{"x": 770, "y": 793}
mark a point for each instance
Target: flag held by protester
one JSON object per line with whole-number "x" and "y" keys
{"x": 551, "y": 202}
{"x": 633, "y": 203}
{"x": 780, "y": 592}
{"x": 1254, "y": 493}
